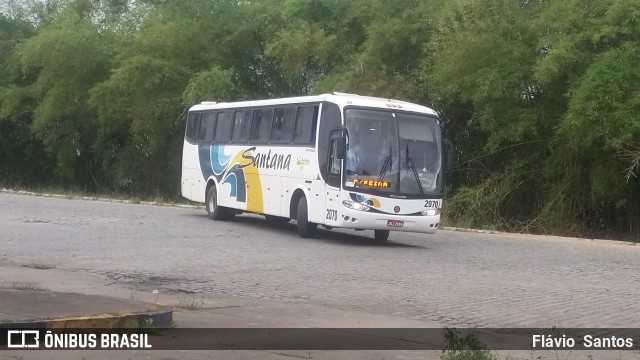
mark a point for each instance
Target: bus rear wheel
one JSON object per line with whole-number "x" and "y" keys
{"x": 305, "y": 228}
{"x": 381, "y": 235}
{"x": 214, "y": 211}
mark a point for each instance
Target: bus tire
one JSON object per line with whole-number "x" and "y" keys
{"x": 381, "y": 235}
{"x": 276, "y": 219}
{"x": 305, "y": 228}
{"x": 214, "y": 211}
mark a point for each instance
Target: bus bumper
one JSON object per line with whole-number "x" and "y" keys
{"x": 363, "y": 220}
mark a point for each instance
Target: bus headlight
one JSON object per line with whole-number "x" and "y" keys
{"x": 431, "y": 212}
{"x": 355, "y": 206}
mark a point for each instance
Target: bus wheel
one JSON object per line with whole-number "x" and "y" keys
{"x": 276, "y": 219}
{"x": 214, "y": 211}
{"x": 305, "y": 228}
{"x": 381, "y": 235}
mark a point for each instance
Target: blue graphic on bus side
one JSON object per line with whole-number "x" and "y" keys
{"x": 213, "y": 161}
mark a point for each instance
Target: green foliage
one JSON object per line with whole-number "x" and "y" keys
{"x": 467, "y": 347}
{"x": 143, "y": 128}
{"x": 69, "y": 56}
{"x": 23, "y": 161}
{"x": 301, "y": 52}
{"x": 605, "y": 102}
{"x": 540, "y": 97}
{"x": 210, "y": 85}
{"x": 483, "y": 55}
{"x": 386, "y": 53}
{"x": 589, "y": 58}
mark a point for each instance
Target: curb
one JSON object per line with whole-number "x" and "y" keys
{"x": 540, "y": 237}
{"x": 95, "y": 198}
{"x": 162, "y": 318}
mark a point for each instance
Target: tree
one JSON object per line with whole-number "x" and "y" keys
{"x": 480, "y": 70}
{"x": 590, "y": 58}
{"x": 383, "y": 57}
{"x": 23, "y": 161}
{"x": 69, "y": 57}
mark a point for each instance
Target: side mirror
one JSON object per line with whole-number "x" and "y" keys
{"x": 341, "y": 151}
{"x": 448, "y": 155}
{"x": 341, "y": 143}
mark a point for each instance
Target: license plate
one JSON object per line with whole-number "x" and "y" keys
{"x": 395, "y": 223}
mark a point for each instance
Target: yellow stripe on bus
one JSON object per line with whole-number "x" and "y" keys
{"x": 253, "y": 185}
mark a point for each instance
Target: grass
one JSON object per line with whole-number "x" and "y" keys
{"x": 147, "y": 324}
{"x": 39, "y": 266}
{"x": 27, "y": 286}
{"x": 469, "y": 347}
{"x": 189, "y": 304}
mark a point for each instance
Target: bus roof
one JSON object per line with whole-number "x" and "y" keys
{"x": 340, "y": 99}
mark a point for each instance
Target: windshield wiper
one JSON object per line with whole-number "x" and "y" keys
{"x": 387, "y": 164}
{"x": 413, "y": 169}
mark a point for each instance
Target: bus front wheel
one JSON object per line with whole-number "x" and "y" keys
{"x": 214, "y": 211}
{"x": 381, "y": 235}
{"x": 305, "y": 228}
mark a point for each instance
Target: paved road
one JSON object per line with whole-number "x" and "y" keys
{"x": 461, "y": 279}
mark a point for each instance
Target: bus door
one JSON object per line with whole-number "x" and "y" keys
{"x": 334, "y": 177}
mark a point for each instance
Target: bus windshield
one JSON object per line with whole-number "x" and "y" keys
{"x": 393, "y": 153}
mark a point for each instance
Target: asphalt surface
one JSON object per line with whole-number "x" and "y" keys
{"x": 23, "y": 307}
{"x": 454, "y": 278}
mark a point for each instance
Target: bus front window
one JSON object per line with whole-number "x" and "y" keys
{"x": 371, "y": 143}
{"x": 392, "y": 153}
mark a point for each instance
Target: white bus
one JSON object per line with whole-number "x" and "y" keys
{"x": 334, "y": 160}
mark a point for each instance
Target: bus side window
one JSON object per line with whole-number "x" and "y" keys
{"x": 203, "y": 128}
{"x": 334, "y": 162}
{"x": 224, "y": 126}
{"x": 306, "y": 123}
{"x": 193, "y": 125}
{"x": 283, "y": 123}
{"x": 207, "y": 126}
{"x": 210, "y": 120}
{"x": 261, "y": 126}
{"x": 242, "y": 126}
